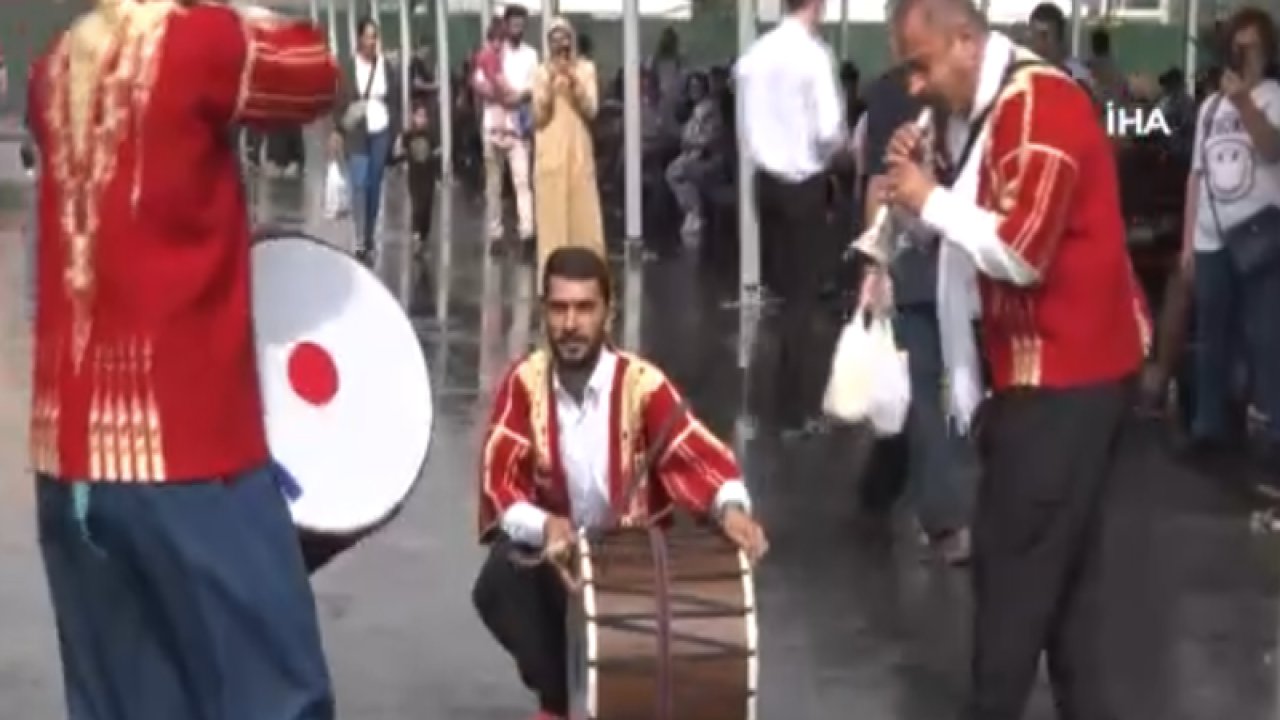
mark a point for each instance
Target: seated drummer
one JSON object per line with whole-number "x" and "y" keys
{"x": 569, "y": 425}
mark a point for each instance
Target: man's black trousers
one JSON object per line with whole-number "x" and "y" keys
{"x": 524, "y": 609}
{"x": 1048, "y": 458}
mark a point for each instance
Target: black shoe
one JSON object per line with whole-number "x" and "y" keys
{"x": 365, "y": 255}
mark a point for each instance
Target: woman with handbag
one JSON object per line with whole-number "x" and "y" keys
{"x": 1231, "y": 235}
{"x": 368, "y": 119}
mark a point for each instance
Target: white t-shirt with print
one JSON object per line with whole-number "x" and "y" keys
{"x": 1241, "y": 182}
{"x": 518, "y": 67}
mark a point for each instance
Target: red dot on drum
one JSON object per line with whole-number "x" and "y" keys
{"x": 312, "y": 373}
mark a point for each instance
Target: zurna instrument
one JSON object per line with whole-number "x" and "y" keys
{"x": 345, "y": 389}
{"x": 664, "y": 627}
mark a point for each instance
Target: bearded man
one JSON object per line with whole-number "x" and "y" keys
{"x": 568, "y": 423}
{"x": 1034, "y": 243}
{"x": 173, "y": 565}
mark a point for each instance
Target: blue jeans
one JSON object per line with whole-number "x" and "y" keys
{"x": 924, "y": 461}
{"x": 182, "y": 601}
{"x": 367, "y": 166}
{"x": 1237, "y": 319}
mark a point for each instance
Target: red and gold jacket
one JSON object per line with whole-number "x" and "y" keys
{"x": 1061, "y": 305}
{"x": 521, "y": 461}
{"x": 144, "y": 365}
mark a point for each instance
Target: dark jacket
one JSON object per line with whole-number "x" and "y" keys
{"x": 355, "y": 140}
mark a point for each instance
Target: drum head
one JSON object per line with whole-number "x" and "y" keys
{"x": 345, "y": 385}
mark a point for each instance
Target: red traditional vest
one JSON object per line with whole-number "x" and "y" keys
{"x": 144, "y": 363}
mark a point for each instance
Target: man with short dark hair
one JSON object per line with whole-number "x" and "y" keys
{"x": 508, "y": 128}
{"x": 1034, "y": 242}
{"x": 570, "y": 423}
{"x": 1048, "y": 39}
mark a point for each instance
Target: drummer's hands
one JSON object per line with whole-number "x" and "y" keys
{"x": 558, "y": 541}
{"x": 745, "y": 532}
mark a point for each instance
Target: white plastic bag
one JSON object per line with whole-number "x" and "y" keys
{"x": 869, "y": 380}
{"x": 337, "y": 196}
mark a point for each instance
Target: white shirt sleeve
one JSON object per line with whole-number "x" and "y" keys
{"x": 732, "y": 491}
{"x": 976, "y": 231}
{"x": 524, "y": 523}
{"x": 828, "y": 106}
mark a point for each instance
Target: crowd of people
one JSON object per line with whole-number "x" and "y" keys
{"x": 980, "y": 159}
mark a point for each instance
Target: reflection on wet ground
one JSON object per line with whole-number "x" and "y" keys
{"x": 851, "y": 628}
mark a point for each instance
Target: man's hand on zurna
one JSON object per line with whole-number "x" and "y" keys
{"x": 745, "y": 532}
{"x": 558, "y": 542}
{"x": 909, "y": 182}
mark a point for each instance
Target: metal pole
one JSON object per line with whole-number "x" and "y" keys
{"x": 1192, "y": 47}
{"x": 631, "y": 118}
{"x": 331, "y": 6}
{"x": 406, "y": 54}
{"x": 486, "y": 16}
{"x": 748, "y": 231}
{"x": 373, "y": 12}
{"x": 548, "y": 9}
{"x": 844, "y": 30}
{"x": 313, "y": 7}
{"x": 351, "y": 27}
{"x": 1077, "y": 28}
{"x": 445, "y": 95}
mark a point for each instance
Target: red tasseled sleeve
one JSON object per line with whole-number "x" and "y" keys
{"x": 506, "y": 473}
{"x": 1038, "y": 136}
{"x": 694, "y": 463}
{"x": 263, "y": 72}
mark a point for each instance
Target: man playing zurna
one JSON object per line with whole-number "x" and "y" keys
{"x": 173, "y": 565}
{"x": 570, "y": 421}
{"x": 1032, "y": 226}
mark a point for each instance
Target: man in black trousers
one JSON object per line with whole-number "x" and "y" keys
{"x": 794, "y": 123}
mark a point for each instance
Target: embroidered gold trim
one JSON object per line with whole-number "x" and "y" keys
{"x": 46, "y": 411}
{"x": 125, "y": 442}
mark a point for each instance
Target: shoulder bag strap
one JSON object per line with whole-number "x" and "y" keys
{"x": 1209, "y": 112}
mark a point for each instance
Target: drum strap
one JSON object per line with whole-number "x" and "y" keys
{"x": 651, "y": 454}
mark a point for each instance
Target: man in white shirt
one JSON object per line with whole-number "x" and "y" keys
{"x": 571, "y": 423}
{"x": 507, "y": 128}
{"x": 793, "y": 120}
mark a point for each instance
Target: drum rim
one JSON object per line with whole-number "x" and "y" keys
{"x": 279, "y": 234}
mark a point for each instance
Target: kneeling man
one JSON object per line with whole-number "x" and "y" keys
{"x": 570, "y": 422}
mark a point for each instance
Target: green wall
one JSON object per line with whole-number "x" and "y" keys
{"x": 710, "y": 37}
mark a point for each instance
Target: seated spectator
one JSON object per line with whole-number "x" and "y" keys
{"x": 697, "y": 160}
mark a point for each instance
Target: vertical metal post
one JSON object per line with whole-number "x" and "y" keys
{"x": 331, "y": 6}
{"x": 748, "y": 231}
{"x": 631, "y": 119}
{"x": 1191, "y": 54}
{"x": 444, "y": 82}
{"x": 844, "y": 30}
{"x": 313, "y": 9}
{"x": 548, "y": 10}
{"x": 351, "y": 27}
{"x": 1077, "y": 27}
{"x": 406, "y": 55}
{"x": 374, "y": 13}
{"x": 486, "y": 16}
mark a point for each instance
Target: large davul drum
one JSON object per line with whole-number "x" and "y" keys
{"x": 345, "y": 387}
{"x": 664, "y": 628}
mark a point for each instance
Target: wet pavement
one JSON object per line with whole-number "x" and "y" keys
{"x": 851, "y": 628}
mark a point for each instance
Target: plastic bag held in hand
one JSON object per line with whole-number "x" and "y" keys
{"x": 869, "y": 379}
{"x": 337, "y": 197}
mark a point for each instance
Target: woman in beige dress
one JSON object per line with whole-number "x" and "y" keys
{"x": 567, "y": 200}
